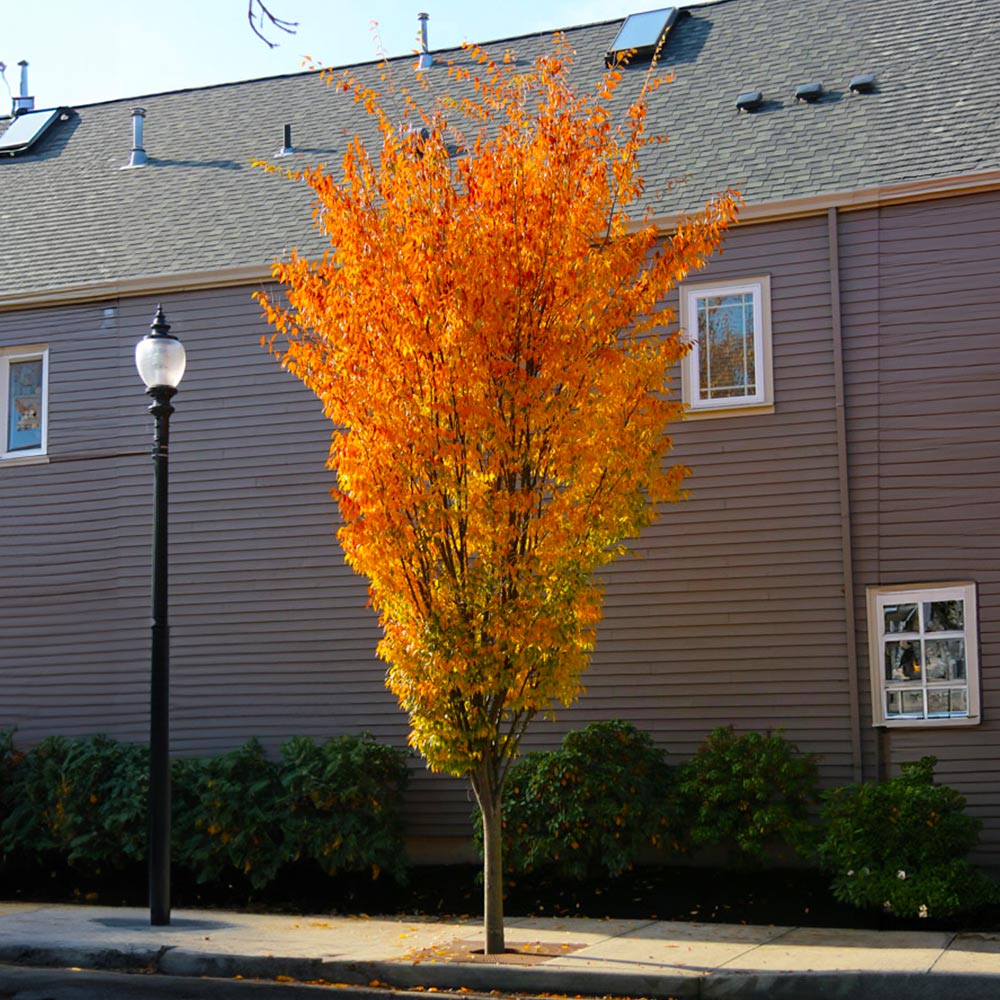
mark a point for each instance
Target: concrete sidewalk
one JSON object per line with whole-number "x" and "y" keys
{"x": 550, "y": 955}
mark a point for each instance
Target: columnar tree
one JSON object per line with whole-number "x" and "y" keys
{"x": 488, "y": 336}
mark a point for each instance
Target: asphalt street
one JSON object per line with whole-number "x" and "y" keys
{"x": 21, "y": 983}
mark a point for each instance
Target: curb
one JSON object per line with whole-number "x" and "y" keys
{"x": 483, "y": 978}
{"x": 62, "y": 956}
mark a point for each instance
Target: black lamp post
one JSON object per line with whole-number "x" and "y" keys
{"x": 160, "y": 359}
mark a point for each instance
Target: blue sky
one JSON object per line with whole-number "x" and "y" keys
{"x": 84, "y": 51}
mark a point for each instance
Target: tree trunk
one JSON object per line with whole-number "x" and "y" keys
{"x": 488, "y": 795}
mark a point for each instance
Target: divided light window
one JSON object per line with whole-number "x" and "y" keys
{"x": 24, "y": 399}
{"x": 924, "y": 654}
{"x": 729, "y": 365}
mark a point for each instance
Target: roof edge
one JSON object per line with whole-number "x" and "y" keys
{"x": 773, "y": 211}
{"x": 158, "y": 284}
{"x": 855, "y": 200}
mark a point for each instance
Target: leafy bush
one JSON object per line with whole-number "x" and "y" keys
{"x": 745, "y": 792}
{"x": 902, "y": 846}
{"x": 337, "y": 803}
{"x": 343, "y": 803}
{"x": 8, "y": 758}
{"x": 84, "y": 800}
{"x": 592, "y": 805}
{"x": 227, "y": 814}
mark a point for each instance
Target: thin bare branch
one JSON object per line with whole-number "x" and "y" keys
{"x": 287, "y": 26}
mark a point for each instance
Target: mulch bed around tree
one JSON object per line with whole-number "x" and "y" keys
{"x": 471, "y": 950}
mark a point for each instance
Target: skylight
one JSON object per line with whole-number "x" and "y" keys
{"x": 641, "y": 35}
{"x": 25, "y": 130}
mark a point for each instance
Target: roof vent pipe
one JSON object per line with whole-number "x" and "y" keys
{"x": 286, "y": 142}
{"x": 425, "y": 61}
{"x": 23, "y": 103}
{"x": 138, "y": 157}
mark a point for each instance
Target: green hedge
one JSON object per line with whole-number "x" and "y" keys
{"x": 344, "y": 803}
{"x": 227, "y": 813}
{"x": 591, "y": 806}
{"x": 748, "y": 792}
{"x": 902, "y": 846}
{"x": 81, "y": 800}
{"x": 84, "y": 802}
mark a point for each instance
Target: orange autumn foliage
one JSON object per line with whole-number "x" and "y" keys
{"x": 487, "y": 335}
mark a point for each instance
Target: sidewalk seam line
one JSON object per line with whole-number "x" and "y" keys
{"x": 754, "y": 947}
{"x": 941, "y": 953}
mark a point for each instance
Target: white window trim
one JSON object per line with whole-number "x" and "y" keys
{"x": 30, "y": 352}
{"x": 763, "y": 401}
{"x": 878, "y": 597}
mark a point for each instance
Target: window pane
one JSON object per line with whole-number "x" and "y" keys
{"x": 727, "y": 365}
{"x": 901, "y": 618}
{"x": 945, "y": 659}
{"x": 905, "y": 703}
{"x": 947, "y": 702}
{"x": 944, "y": 616}
{"x": 923, "y": 653}
{"x": 901, "y": 661}
{"x": 24, "y": 419}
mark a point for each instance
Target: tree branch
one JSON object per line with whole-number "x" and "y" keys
{"x": 287, "y": 26}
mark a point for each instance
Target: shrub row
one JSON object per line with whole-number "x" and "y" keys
{"x": 607, "y": 795}
{"x": 84, "y": 802}
{"x": 594, "y": 805}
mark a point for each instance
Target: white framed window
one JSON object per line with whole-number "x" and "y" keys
{"x": 24, "y": 401}
{"x": 924, "y": 654}
{"x": 729, "y": 365}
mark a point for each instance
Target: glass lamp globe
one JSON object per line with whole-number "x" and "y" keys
{"x": 160, "y": 357}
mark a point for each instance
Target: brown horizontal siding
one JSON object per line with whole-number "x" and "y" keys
{"x": 922, "y": 319}
{"x": 736, "y": 589}
{"x": 731, "y": 614}
{"x": 270, "y": 636}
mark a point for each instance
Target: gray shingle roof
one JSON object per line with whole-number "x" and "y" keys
{"x": 69, "y": 214}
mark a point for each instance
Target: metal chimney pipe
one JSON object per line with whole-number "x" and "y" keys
{"x": 286, "y": 144}
{"x": 425, "y": 61}
{"x": 138, "y": 157}
{"x": 23, "y": 103}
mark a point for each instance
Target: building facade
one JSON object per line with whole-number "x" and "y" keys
{"x": 834, "y": 571}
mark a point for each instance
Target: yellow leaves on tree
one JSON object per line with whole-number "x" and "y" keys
{"x": 487, "y": 335}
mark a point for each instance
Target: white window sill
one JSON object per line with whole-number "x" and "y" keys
{"x": 24, "y": 460}
{"x": 926, "y": 723}
{"x": 713, "y": 413}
